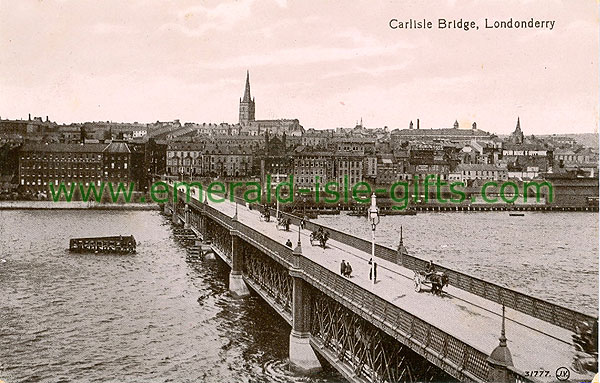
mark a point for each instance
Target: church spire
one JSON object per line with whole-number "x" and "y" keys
{"x": 247, "y": 97}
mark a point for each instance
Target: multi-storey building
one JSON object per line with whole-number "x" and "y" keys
{"x": 454, "y": 134}
{"x": 201, "y": 160}
{"x": 469, "y": 172}
{"x": 308, "y": 164}
{"x": 117, "y": 162}
{"x": 41, "y": 165}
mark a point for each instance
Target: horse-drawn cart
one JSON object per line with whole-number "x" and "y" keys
{"x": 283, "y": 223}
{"x": 319, "y": 236}
{"x": 435, "y": 281}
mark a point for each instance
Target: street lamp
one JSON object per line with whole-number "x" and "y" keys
{"x": 304, "y": 206}
{"x": 374, "y": 217}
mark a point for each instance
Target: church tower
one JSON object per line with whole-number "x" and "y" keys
{"x": 247, "y": 104}
{"x": 516, "y": 137}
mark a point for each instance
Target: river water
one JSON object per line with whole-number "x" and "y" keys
{"x": 155, "y": 317}
{"x": 550, "y": 255}
{"x": 149, "y": 317}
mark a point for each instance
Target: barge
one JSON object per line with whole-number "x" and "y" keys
{"x": 116, "y": 245}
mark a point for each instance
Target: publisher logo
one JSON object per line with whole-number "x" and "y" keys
{"x": 563, "y": 373}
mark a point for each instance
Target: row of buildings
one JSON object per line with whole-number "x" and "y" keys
{"x": 251, "y": 148}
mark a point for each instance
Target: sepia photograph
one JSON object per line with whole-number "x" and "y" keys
{"x": 288, "y": 191}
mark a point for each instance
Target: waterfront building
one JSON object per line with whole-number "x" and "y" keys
{"x": 470, "y": 172}
{"x": 43, "y": 164}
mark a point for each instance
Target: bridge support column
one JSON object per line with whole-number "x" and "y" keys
{"x": 237, "y": 286}
{"x": 302, "y": 356}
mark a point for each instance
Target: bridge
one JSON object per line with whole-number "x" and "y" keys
{"x": 384, "y": 332}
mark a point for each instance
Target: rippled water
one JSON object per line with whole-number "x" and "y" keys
{"x": 154, "y": 317}
{"x": 150, "y": 317}
{"x": 550, "y": 255}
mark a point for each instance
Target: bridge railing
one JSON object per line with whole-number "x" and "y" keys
{"x": 260, "y": 240}
{"x": 436, "y": 345}
{"x": 538, "y": 308}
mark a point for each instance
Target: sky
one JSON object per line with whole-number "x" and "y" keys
{"x": 326, "y": 63}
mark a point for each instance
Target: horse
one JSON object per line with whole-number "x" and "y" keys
{"x": 265, "y": 215}
{"x": 283, "y": 223}
{"x": 438, "y": 282}
{"x": 321, "y": 236}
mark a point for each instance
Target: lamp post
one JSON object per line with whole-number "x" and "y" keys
{"x": 304, "y": 206}
{"x": 374, "y": 217}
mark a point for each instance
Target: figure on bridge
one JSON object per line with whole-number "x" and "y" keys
{"x": 319, "y": 235}
{"x": 429, "y": 269}
{"x": 265, "y": 215}
{"x": 348, "y": 270}
{"x": 284, "y": 223}
{"x": 437, "y": 280}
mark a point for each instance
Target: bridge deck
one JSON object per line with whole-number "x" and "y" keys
{"x": 534, "y": 344}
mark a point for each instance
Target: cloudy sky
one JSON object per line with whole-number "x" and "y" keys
{"x": 327, "y": 63}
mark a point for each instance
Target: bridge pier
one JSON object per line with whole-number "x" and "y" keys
{"x": 237, "y": 286}
{"x": 302, "y": 356}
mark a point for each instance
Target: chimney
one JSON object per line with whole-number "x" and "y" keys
{"x": 46, "y": 118}
{"x": 417, "y": 123}
{"x": 410, "y": 126}
{"x": 29, "y": 117}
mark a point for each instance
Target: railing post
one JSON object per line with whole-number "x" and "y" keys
{"x": 186, "y": 216}
{"x": 302, "y": 356}
{"x": 401, "y": 252}
{"x": 237, "y": 286}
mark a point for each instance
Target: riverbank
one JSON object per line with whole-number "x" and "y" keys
{"x": 74, "y": 205}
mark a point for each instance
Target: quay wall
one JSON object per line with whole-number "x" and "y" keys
{"x": 47, "y": 205}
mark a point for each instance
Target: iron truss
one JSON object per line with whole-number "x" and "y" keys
{"x": 369, "y": 352}
{"x": 270, "y": 275}
{"x": 220, "y": 237}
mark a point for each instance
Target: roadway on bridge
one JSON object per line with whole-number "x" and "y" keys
{"x": 534, "y": 344}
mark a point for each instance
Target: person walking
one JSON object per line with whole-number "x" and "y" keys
{"x": 343, "y": 267}
{"x": 373, "y": 271}
{"x": 348, "y": 270}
